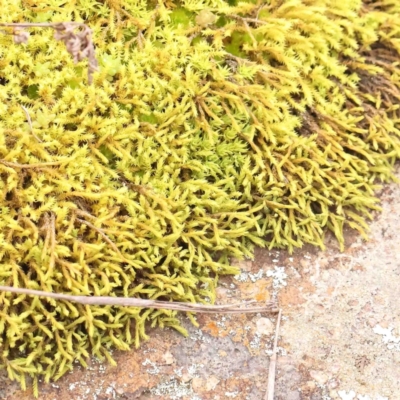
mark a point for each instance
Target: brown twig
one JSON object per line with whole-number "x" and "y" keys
{"x": 38, "y": 165}
{"x": 51, "y": 226}
{"x": 260, "y": 9}
{"x": 156, "y": 304}
{"x": 253, "y": 20}
{"x": 105, "y": 237}
{"x": 272, "y": 364}
{"x": 79, "y": 45}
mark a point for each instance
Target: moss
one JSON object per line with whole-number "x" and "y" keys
{"x": 181, "y": 17}
{"x": 275, "y": 126}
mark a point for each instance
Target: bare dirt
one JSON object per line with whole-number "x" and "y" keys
{"x": 339, "y": 336}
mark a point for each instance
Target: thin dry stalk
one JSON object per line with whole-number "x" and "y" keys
{"x": 237, "y": 308}
{"x": 250, "y": 34}
{"x": 105, "y": 237}
{"x": 27, "y": 166}
{"x": 45, "y": 228}
{"x": 272, "y": 365}
{"x": 52, "y": 230}
{"x": 252, "y": 20}
{"x": 79, "y": 44}
{"x": 28, "y": 117}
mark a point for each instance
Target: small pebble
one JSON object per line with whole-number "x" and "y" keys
{"x": 264, "y": 326}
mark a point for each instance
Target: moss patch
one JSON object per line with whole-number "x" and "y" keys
{"x": 194, "y": 144}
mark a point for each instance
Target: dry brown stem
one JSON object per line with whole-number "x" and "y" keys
{"x": 51, "y": 229}
{"x": 27, "y": 166}
{"x": 272, "y": 365}
{"x": 252, "y": 20}
{"x": 28, "y": 117}
{"x": 237, "y": 308}
{"x": 105, "y": 237}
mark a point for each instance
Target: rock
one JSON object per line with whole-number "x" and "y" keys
{"x": 185, "y": 378}
{"x": 304, "y": 263}
{"x": 383, "y": 324}
{"x": 309, "y": 386}
{"x": 286, "y": 364}
{"x": 367, "y": 308}
{"x": 264, "y": 326}
{"x": 319, "y": 377}
{"x": 168, "y": 358}
{"x": 211, "y": 383}
{"x": 293, "y": 395}
{"x": 358, "y": 268}
{"x": 325, "y": 275}
{"x": 222, "y": 293}
{"x": 120, "y": 391}
{"x": 380, "y": 300}
{"x": 371, "y": 322}
{"x": 333, "y": 384}
{"x": 334, "y": 368}
{"x": 198, "y": 383}
{"x": 244, "y": 265}
{"x": 333, "y": 394}
{"x": 353, "y": 303}
{"x": 323, "y": 262}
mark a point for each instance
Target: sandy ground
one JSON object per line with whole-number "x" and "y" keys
{"x": 339, "y": 337}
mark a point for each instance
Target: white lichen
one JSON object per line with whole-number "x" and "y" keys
{"x": 154, "y": 370}
{"x": 199, "y": 336}
{"x": 242, "y": 277}
{"x": 347, "y": 396}
{"x": 255, "y": 343}
{"x": 231, "y": 395}
{"x": 352, "y": 395}
{"x": 392, "y": 342}
{"x": 279, "y": 277}
{"x": 246, "y": 276}
{"x": 257, "y": 276}
{"x": 192, "y": 370}
{"x": 172, "y": 390}
{"x": 178, "y": 371}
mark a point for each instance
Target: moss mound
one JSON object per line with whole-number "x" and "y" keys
{"x": 211, "y": 127}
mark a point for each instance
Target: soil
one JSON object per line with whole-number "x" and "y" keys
{"x": 339, "y": 336}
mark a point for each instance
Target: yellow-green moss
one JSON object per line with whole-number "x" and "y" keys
{"x": 196, "y": 142}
